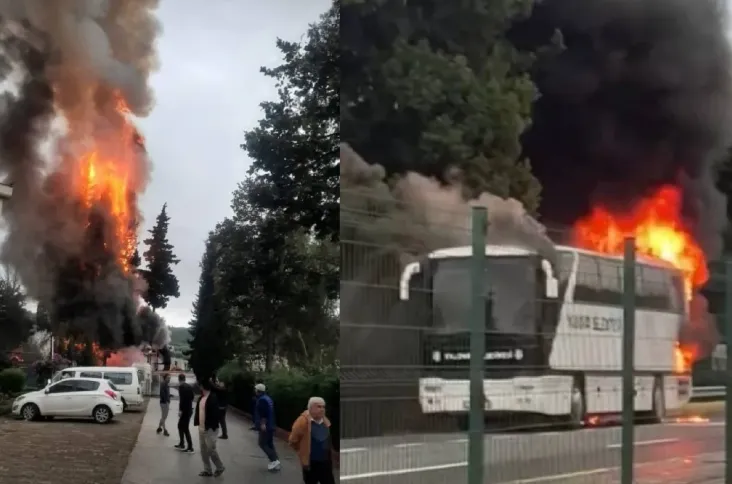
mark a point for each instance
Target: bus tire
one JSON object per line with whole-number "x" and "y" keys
{"x": 658, "y": 412}
{"x": 577, "y": 406}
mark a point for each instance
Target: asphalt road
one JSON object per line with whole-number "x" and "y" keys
{"x": 535, "y": 457}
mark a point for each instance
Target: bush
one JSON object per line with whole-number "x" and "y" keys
{"x": 290, "y": 390}
{"x": 12, "y": 380}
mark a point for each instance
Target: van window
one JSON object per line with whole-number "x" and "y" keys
{"x": 90, "y": 374}
{"x": 119, "y": 378}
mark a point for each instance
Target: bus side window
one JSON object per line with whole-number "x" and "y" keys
{"x": 653, "y": 294}
{"x": 588, "y": 286}
{"x": 610, "y": 281}
{"x": 677, "y": 293}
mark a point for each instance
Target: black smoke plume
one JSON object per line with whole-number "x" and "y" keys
{"x": 640, "y": 96}
{"x": 65, "y": 65}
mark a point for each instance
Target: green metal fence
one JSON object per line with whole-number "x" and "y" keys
{"x": 461, "y": 365}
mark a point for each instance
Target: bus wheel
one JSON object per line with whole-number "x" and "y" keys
{"x": 659, "y": 401}
{"x": 577, "y": 407}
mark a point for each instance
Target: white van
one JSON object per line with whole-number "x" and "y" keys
{"x": 126, "y": 378}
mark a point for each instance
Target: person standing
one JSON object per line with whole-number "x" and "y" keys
{"x": 222, "y": 397}
{"x": 311, "y": 439}
{"x": 265, "y": 423}
{"x": 185, "y": 411}
{"x": 207, "y": 419}
{"x": 164, "y": 404}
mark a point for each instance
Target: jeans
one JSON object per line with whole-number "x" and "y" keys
{"x": 224, "y": 432}
{"x": 164, "y": 407}
{"x": 318, "y": 473}
{"x": 209, "y": 453}
{"x": 184, "y": 429}
{"x": 266, "y": 443}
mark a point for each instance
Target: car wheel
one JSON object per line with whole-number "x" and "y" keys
{"x": 102, "y": 414}
{"x": 30, "y": 412}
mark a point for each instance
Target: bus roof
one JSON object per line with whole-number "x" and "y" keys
{"x": 515, "y": 251}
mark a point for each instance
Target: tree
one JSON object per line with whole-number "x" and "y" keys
{"x": 433, "y": 85}
{"x": 295, "y": 146}
{"x": 161, "y": 282}
{"x": 136, "y": 260}
{"x": 209, "y": 343}
{"x": 16, "y": 322}
{"x": 280, "y": 286}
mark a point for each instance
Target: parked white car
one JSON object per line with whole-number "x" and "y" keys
{"x": 129, "y": 380}
{"x": 72, "y": 397}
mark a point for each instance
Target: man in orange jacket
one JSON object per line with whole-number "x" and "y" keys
{"x": 310, "y": 438}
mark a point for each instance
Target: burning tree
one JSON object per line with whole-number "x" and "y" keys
{"x": 73, "y": 218}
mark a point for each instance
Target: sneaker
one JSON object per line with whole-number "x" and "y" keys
{"x": 159, "y": 430}
{"x": 188, "y": 451}
{"x": 274, "y": 466}
{"x": 225, "y": 437}
{"x": 165, "y": 433}
{"x": 218, "y": 472}
{"x": 179, "y": 446}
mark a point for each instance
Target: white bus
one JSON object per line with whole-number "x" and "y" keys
{"x": 554, "y": 341}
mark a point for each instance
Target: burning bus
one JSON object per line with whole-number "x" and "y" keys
{"x": 553, "y": 334}
{"x": 554, "y": 321}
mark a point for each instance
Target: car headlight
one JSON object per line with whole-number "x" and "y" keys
{"x": 17, "y": 399}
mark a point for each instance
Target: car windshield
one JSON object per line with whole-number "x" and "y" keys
{"x": 511, "y": 282}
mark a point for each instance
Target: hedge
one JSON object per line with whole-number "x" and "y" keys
{"x": 12, "y": 380}
{"x": 290, "y": 391}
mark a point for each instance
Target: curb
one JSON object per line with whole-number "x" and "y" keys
{"x": 284, "y": 435}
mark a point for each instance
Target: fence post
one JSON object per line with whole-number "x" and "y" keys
{"x": 629, "y": 300}
{"x": 728, "y": 372}
{"x": 476, "y": 462}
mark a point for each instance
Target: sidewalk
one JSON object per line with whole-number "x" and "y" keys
{"x": 155, "y": 461}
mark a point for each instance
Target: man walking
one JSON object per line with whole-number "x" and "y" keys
{"x": 311, "y": 439}
{"x": 185, "y": 411}
{"x": 207, "y": 419}
{"x": 221, "y": 396}
{"x": 164, "y": 404}
{"x": 265, "y": 422}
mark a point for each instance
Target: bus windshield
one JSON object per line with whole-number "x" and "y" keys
{"x": 510, "y": 282}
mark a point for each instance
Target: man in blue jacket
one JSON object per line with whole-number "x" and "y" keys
{"x": 264, "y": 420}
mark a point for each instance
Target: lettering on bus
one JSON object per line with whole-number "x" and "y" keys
{"x": 595, "y": 323}
{"x": 515, "y": 354}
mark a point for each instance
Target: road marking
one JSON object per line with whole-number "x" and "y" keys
{"x": 556, "y": 477}
{"x": 352, "y": 450}
{"x": 408, "y": 445}
{"x": 400, "y": 472}
{"x": 644, "y": 442}
{"x": 696, "y": 424}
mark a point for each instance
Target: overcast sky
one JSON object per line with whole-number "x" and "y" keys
{"x": 208, "y": 92}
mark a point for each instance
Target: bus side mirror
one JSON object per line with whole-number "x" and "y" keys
{"x": 552, "y": 284}
{"x": 409, "y": 271}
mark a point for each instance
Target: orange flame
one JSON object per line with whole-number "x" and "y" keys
{"x": 67, "y": 343}
{"x": 106, "y": 177}
{"x": 656, "y": 224}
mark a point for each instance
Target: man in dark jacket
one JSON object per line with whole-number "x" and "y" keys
{"x": 185, "y": 411}
{"x": 222, "y": 397}
{"x": 164, "y": 404}
{"x": 207, "y": 418}
{"x": 264, "y": 419}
